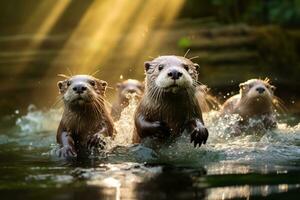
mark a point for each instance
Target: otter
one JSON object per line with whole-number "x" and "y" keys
{"x": 255, "y": 100}
{"x": 85, "y": 117}
{"x": 130, "y": 86}
{"x": 169, "y": 105}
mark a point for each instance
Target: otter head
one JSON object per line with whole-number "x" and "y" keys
{"x": 171, "y": 73}
{"x": 81, "y": 90}
{"x": 129, "y": 86}
{"x": 260, "y": 91}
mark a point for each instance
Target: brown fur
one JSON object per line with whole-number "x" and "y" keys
{"x": 171, "y": 110}
{"x": 81, "y": 120}
{"x": 249, "y": 103}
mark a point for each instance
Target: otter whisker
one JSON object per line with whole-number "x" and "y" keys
{"x": 198, "y": 82}
{"x": 108, "y": 87}
{"x": 159, "y": 93}
{"x": 58, "y": 101}
{"x": 105, "y": 101}
{"x": 186, "y": 53}
{"x": 194, "y": 57}
{"x": 155, "y": 94}
{"x": 63, "y": 76}
{"x": 95, "y": 72}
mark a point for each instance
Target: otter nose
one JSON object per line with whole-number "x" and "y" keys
{"x": 79, "y": 88}
{"x": 260, "y": 90}
{"x": 174, "y": 74}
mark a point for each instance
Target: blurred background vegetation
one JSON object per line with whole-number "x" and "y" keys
{"x": 232, "y": 40}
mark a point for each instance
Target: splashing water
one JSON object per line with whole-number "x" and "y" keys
{"x": 36, "y": 121}
{"x": 125, "y": 125}
{"x": 276, "y": 151}
{"x": 277, "y": 146}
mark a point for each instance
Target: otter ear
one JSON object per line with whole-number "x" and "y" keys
{"x": 197, "y": 66}
{"x": 147, "y": 65}
{"x": 242, "y": 85}
{"x": 103, "y": 84}
{"x": 273, "y": 88}
{"x": 60, "y": 84}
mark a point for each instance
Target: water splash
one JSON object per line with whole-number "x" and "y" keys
{"x": 125, "y": 125}
{"x": 278, "y": 147}
{"x": 36, "y": 121}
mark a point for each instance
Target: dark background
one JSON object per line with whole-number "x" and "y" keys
{"x": 234, "y": 40}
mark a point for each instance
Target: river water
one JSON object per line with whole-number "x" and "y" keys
{"x": 248, "y": 166}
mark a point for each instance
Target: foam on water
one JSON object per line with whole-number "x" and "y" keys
{"x": 277, "y": 147}
{"x": 36, "y": 121}
{"x": 122, "y": 166}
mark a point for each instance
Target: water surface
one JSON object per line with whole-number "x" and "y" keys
{"x": 248, "y": 166}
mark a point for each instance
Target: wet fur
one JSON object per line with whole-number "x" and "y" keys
{"x": 83, "y": 121}
{"x": 253, "y": 107}
{"x": 173, "y": 111}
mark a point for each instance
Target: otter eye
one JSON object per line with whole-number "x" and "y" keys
{"x": 186, "y": 67}
{"x": 160, "y": 67}
{"x": 68, "y": 83}
{"x": 92, "y": 83}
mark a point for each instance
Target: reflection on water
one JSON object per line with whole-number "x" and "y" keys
{"x": 247, "y": 191}
{"x": 227, "y": 167}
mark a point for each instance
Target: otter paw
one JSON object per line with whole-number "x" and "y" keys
{"x": 96, "y": 141}
{"x": 199, "y": 136}
{"x": 66, "y": 151}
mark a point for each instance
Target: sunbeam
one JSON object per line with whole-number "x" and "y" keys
{"x": 40, "y": 24}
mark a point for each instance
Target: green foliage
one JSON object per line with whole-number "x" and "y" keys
{"x": 285, "y": 12}
{"x": 274, "y": 11}
{"x": 184, "y": 43}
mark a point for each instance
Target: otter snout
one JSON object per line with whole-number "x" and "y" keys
{"x": 260, "y": 90}
{"x": 79, "y": 88}
{"x": 174, "y": 74}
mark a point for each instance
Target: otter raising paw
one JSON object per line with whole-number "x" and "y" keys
{"x": 199, "y": 136}
{"x": 96, "y": 141}
{"x": 199, "y": 133}
{"x": 66, "y": 151}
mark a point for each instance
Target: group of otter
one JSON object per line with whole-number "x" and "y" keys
{"x": 171, "y": 104}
